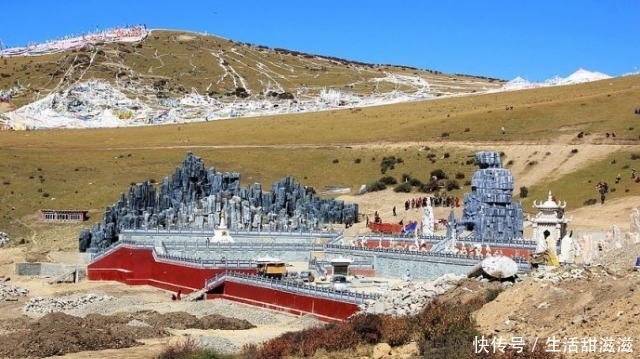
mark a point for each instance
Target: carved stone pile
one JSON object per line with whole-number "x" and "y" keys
{"x": 194, "y": 198}
{"x": 410, "y": 298}
{"x": 488, "y": 210}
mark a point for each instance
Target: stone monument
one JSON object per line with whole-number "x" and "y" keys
{"x": 489, "y": 213}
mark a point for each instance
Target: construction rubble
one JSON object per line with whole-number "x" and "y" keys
{"x": 39, "y": 305}
{"x": 410, "y": 298}
{"x": 11, "y": 292}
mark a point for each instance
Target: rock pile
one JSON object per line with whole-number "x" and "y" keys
{"x": 11, "y": 292}
{"x": 41, "y": 305}
{"x": 4, "y": 238}
{"x": 557, "y": 275}
{"x": 409, "y": 298}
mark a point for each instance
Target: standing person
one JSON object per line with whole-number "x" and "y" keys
{"x": 394, "y": 211}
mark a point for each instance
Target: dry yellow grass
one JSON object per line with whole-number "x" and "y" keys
{"x": 89, "y": 168}
{"x": 101, "y": 163}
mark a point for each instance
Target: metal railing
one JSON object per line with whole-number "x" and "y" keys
{"x": 290, "y": 287}
{"x": 193, "y": 245}
{"x": 240, "y": 232}
{"x": 407, "y": 253}
{"x": 196, "y": 262}
{"x": 515, "y": 243}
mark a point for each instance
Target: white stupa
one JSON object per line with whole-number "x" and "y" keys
{"x": 221, "y": 232}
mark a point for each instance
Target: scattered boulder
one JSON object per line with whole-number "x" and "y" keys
{"x": 11, "y": 292}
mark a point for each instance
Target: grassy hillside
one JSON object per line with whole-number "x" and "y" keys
{"x": 171, "y": 63}
{"x": 89, "y": 168}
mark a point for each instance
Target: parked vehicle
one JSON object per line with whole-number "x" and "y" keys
{"x": 306, "y": 277}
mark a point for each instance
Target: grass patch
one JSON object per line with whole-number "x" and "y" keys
{"x": 580, "y": 186}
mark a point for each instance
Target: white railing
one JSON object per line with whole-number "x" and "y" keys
{"x": 406, "y": 253}
{"x": 236, "y": 232}
{"x": 290, "y": 287}
{"x": 515, "y": 243}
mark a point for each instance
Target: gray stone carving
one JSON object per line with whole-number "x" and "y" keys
{"x": 488, "y": 209}
{"x": 194, "y": 197}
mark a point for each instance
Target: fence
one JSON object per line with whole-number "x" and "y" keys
{"x": 237, "y": 232}
{"x": 519, "y": 243}
{"x": 409, "y": 254}
{"x": 290, "y": 287}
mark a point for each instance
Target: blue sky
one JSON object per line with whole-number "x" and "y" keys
{"x": 497, "y": 38}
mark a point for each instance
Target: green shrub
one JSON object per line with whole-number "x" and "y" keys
{"x": 459, "y": 175}
{"x": 439, "y": 174}
{"x": 376, "y": 186}
{"x": 452, "y": 185}
{"x": 388, "y": 180}
{"x": 404, "y": 187}
{"x": 415, "y": 182}
{"x": 524, "y": 192}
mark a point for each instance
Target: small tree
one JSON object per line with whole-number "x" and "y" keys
{"x": 524, "y": 192}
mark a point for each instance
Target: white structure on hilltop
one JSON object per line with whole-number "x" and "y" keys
{"x": 550, "y": 224}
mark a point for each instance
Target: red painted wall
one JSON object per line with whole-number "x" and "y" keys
{"x": 138, "y": 267}
{"x": 293, "y": 303}
{"x": 363, "y": 272}
{"x": 388, "y": 228}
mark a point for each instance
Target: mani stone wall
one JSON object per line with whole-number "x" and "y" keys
{"x": 243, "y": 254}
{"x": 489, "y": 212}
{"x": 195, "y": 198}
{"x": 396, "y": 265}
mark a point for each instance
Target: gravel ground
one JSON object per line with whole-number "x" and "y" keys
{"x": 219, "y": 344}
{"x": 200, "y": 309}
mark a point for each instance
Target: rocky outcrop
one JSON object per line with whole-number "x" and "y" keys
{"x": 194, "y": 198}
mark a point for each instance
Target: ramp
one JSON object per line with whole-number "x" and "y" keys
{"x": 69, "y": 277}
{"x": 288, "y": 296}
{"x": 194, "y": 296}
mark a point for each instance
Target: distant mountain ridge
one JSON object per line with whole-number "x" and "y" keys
{"x": 134, "y": 76}
{"x": 579, "y": 76}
